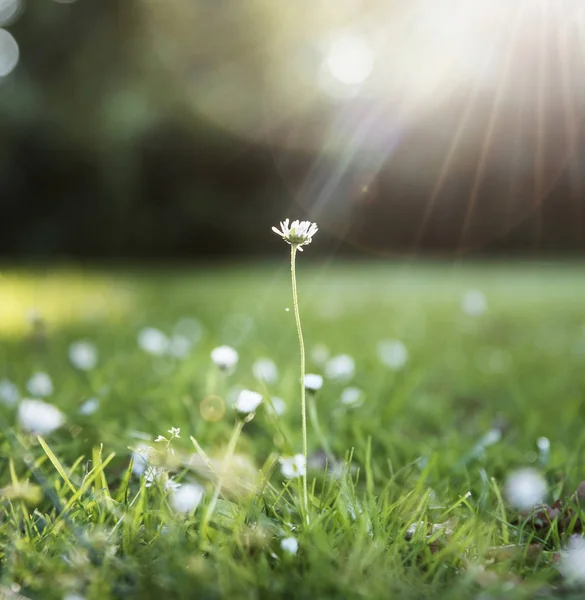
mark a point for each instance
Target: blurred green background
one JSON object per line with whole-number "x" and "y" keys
{"x": 185, "y": 129}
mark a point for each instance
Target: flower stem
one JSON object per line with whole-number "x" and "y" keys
{"x": 227, "y": 459}
{"x": 293, "y": 253}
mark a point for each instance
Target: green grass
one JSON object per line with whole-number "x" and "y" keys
{"x": 408, "y": 454}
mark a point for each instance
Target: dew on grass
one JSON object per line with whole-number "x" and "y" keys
{"x": 392, "y": 353}
{"x": 153, "y": 341}
{"x": 9, "y": 393}
{"x": 90, "y": 406}
{"x": 525, "y": 489}
{"x": 40, "y": 384}
{"x": 83, "y": 355}
{"x": 293, "y": 466}
{"x": 225, "y": 357}
{"x": 187, "y": 498}
{"x": 474, "y": 303}
{"x": 265, "y": 370}
{"x": 313, "y": 382}
{"x": 352, "y": 397}
{"x": 39, "y": 417}
{"x": 340, "y": 368}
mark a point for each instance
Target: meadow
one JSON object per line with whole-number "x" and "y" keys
{"x": 452, "y": 378}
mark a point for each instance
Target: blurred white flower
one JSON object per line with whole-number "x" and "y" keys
{"x": 40, "y": 384}
{"x": 89, "y": 406}
{"x": 39, "y": 417}
{"x": 225, "y": 357}
{"x": 179, "y": 346}
{"x": 73, "y": 597}
{"x": 140, "y": 458}
{"x": 189, "y": 328}
{"x": 320, "y": 354}
{"x": 474, "y": 303}
{"x": 290, "y": 545}
{"x": 265, "y": 369}
{"x": 525, "y": 489}
{"x": 392, "y": 353}
{"x": 279, "y": 405}
{"x": 171, "y": 485}
{"x": 293, "y": 466}
{"x": 572, "y": 565}
{"x": 313, "y": 382}
{"x": 187, "y": 498}
{"x": 83, "y": 355}
{"x": 340, "y": 367}
{"x": 352, "y": 396}
{"x": 248, "y": 401}
{"x": 300, "y": 233}
{"x": 153, "y": 474}
{"x": 153, "y": 341}
{"x": 9, "y": 393}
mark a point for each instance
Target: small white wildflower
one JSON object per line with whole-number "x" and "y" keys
{"x": 39, "y": 417}
{"x": 300, "y": 233}
{"x": 340, "y": 367}
{"x": 153, "y": 341}
{"x": 225, "y": 357}
{"x": 179, "y": 346}
{"x": 89, "y": 406}
{"x": 175, "y": 432}
{"x": 525, "y": 489}
{"x": 290, "y": 545}
{"x": 248, "y": 401}
{"x": 313, "y": 382}
{"x": 161, "y": 438}
{"x": 153, "y": 474}
{"x": 352, "y": 396}
{"x": 83, "y": 355}
{"x": 320, "y": 354}
{"x": 9, "y": 393}
{"x": 171, "y": 485}
{"x": 572, "y": 565}
{"x": 392, "y": 353}
{"x": 293, "y": 466}
{"x": 187, "y": 498}
{"x": 279, "y": 405}
{"x": 266, "y": 370}
{"x": 543, "y": 444}
{"x": 40, "y": 384}
{"x": 474, "y": 303}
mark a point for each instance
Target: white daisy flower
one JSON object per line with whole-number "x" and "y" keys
{"x": 39, "y": 417}
{"x": 180, "y": 346}
{"x": 293, "y": 466}
{"x": 248, "y": 401}
{"x": 153, "y": 341}
{"x": 89, "y": 406}
{"x": 83, "y": 355}
{"x": 225, "y": 357}
{"x": 266, "y": 370}
{"x": 352, "y": 396}
{"x": 340, "y": 367}
{"x": 187, "y": 498}
{"x": 40, "y": 384}
{"x": 290, "y": 545}
{"x": 525, "y": 489}
{"x": 279, "y": 405}
{"x": 9, "y": 393}
{"x": 313, "y": 382}
{"x": 300, "y": 233}
{"x": 393, "y": 353}
{"x": 474, "y": 303}
{"x": 572, "y": 565}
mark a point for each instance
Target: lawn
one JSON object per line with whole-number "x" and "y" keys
{"x": 462, "y": 375}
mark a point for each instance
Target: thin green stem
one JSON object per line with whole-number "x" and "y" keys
{"x": 229, "y": 454}
{"x": 293, "y": 254}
